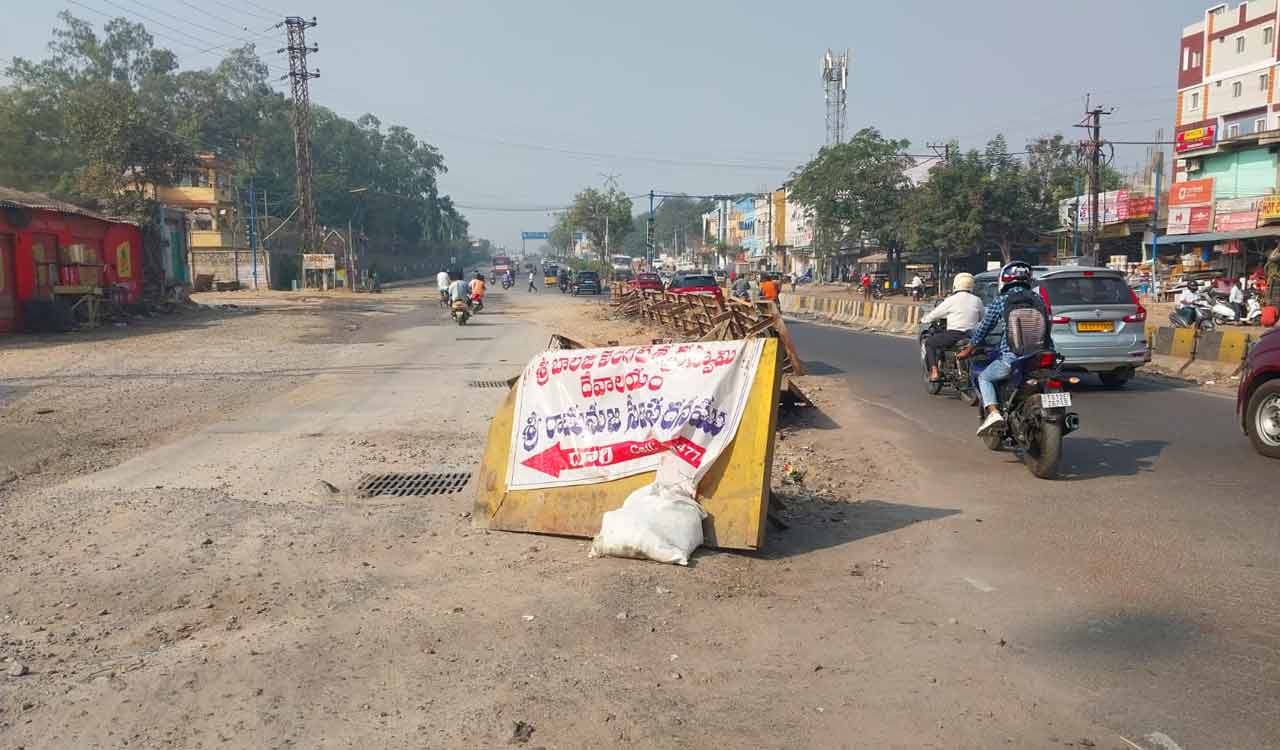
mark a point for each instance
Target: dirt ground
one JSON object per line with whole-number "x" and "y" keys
{"x": 185, "y": 615}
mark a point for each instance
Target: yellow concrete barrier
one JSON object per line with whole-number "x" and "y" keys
{"x": 734, "y": 492}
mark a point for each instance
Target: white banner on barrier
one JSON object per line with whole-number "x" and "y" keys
{"x": 592, "y": 415}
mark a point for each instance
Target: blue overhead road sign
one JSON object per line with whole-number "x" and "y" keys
{"x": 535, "y": 235}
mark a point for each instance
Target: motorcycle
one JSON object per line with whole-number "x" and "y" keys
{"x": 1224, "y": 313}
{"x": 507, "y": 282}
{"x": 461, "y": 312}
{"x": 1035, "y": 407}
{"x": 955, "y": 372}
{"x": 1200, "y": 315}
{"x": 477, "y": 303}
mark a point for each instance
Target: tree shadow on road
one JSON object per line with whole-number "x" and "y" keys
{"x": 815, "y": 524}
{"x": 1096, "y": 458}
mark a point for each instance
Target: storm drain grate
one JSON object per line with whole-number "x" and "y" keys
{"x": 419, "y": 484}
{"x": 474, "y": 338}
{"x": 488, "y": 384}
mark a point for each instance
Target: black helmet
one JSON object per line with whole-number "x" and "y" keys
{"x": 1014, "y": 273}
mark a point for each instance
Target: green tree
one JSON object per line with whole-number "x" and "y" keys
{"x": 857, "y": 191}
{"x": 594, "y": 211}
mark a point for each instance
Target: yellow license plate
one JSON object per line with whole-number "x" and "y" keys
{"x": 1095, "y": 326}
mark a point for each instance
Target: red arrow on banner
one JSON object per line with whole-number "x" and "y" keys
{"x": 557, "y": 458}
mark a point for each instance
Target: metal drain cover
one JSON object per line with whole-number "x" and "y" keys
{"x": 488, "y": 384}
{"x": 474, "y": 338}
{"x": 419, "y": 484}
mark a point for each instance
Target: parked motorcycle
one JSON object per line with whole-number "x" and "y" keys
{"x": 1224, "y": 313}
{"x": 1034, "y": 404}
{"x": 461, "y": 312}
{"x": 955, "y": 372}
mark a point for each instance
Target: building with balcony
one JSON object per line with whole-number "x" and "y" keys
{"x": 218, "y": 239}
{"x": 1227, "y": 135}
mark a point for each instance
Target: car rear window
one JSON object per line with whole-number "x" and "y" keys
{"x": 649, "y": 277}
{"x": 586, "y": 275}
{"x": 689, "y": 282}
{"x": 1087, "y": 290}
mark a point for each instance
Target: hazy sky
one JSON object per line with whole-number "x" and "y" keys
{"x": 531, "y": 101}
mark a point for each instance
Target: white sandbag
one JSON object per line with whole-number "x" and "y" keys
{"x": 660, "y": 522}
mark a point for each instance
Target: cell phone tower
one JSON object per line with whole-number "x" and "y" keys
{"x": 835, "y": 83}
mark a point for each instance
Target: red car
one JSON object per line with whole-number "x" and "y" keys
{"x": 647, "y": 282}
{"x": 696, "y": 283}
{"x": 1258, "y": 400}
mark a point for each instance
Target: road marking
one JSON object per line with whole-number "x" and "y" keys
{"x": 980, "y": 585}
{"x": 1130, "y": 742}
{"x": 1163, "y": 741}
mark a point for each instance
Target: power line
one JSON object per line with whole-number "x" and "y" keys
{"x": 202, "y": 27}
{"x": 220, "y": 19}
{"x": 228, "y": 6}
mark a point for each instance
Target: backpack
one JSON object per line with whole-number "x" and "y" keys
{"x": 1025, "y": 326}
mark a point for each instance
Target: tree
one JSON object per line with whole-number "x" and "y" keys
{"x": 857, "y": 190}
{"x": 594, "y": 211}
{"x": 944, "y": 216}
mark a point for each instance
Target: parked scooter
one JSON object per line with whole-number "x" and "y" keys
{"x": 1224, "y": 313}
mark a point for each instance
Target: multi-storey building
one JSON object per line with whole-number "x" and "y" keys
{"x": 218, "y": 243}
{"x": 1227, "y": 126}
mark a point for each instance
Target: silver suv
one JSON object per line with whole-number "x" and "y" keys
{"x": 1098, "y": 323}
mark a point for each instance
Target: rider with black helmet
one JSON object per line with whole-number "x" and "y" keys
{"x": 1026, "y": 331}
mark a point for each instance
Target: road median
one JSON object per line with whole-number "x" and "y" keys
{"x": 1178, "y": 352}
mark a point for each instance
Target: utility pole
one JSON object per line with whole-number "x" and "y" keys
{"x": 945, "y": 156}
{"x": 253, "y": 229}
{"x": 1092, "y": 123}
{"x": 300, "y": 76}
{"x": 650, "y": 235}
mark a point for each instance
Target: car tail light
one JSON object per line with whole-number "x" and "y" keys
{"x": 1054, "y": 383}
{"x": 1048, "y": 308}
{"x": 1140, "y": 316}
{"x": 1047, "y": 359}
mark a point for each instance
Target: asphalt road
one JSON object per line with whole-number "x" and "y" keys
{"x": 1146, "y": 583}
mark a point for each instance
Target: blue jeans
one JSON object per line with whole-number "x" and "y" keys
{"x": 987, "y": 379}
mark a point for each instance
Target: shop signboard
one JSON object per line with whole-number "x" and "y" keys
{"x": 1269, "y": 209}
{"x": 1189, "y": 219}
{"x": 1141, "y": 207}
{"x": 1195, "y": 138}
{"x": 1113, "y": 207}
{"x": 1235, "y": 214}
{"x": 318, "y": 261}
{"x": 1191, "y": 192}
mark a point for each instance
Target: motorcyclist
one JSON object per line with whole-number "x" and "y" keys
{"x": 459, "y": 291}
{"x": 1026, "y": 331}
{"x": 442, "y": 284}
{"x": 477, "y": 291}
{"x": 962, "y": 310}
{"x": 1186, "y": 302}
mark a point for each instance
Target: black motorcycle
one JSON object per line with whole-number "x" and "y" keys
{"x": 955, "y": 372}
{"x": 1034, "y": 402}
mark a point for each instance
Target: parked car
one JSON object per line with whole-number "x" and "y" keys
{"x": 1258, "y": 397}
{"x": 586, "y": 282}
{"x": 647, "y": 282}
{"x": 696, "y": 283}
{"x": 1099, "y": 326}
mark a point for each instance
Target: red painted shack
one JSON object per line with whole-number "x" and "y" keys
{"x": 51, "y": 251}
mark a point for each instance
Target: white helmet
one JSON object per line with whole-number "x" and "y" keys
{"x": 963, "y": 282}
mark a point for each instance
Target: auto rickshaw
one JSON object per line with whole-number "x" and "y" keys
{"x": 550, "y": 276}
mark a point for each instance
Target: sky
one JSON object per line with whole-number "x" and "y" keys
{"x": 530, "y": 102}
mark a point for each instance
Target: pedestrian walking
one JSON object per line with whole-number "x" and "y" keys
{"x": 532, "y": 287}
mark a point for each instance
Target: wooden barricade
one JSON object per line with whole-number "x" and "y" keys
{"x": 702, "y": 317}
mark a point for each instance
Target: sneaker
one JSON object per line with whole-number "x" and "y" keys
{"x": 993, "y": 420}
